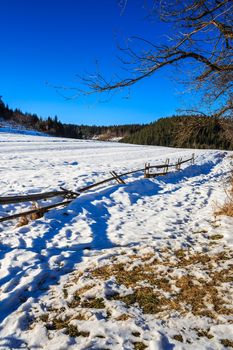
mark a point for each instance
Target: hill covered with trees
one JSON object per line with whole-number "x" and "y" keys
{"x": 178, "y": 131}
{"x": 186, "y": 131}
{"x": 53, "y": 126}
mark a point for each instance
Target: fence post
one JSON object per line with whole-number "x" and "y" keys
{"x": 148, "y": 170}
{"x": 193, "y": 157}
{"x": 180, "y": 163}
{"x": 145, "y": 171}
{"x": 166, "y": 165}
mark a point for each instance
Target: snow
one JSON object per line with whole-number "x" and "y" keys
{"x": 14, "y": 128}
{"x": 107, "y": 225}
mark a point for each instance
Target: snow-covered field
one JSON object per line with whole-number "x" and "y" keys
{"x": 72, "y": 279}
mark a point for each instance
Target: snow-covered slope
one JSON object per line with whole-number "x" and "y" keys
{"x": 44, "y": 263}
{"x": 14, "y": 128}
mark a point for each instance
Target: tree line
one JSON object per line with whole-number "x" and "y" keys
{"x": 193, "y": 131}
{"x": 54, "y": 127}
{"x": 186, "y": 131}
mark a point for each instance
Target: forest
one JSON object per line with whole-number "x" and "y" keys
{"x": 54, "y": 127}
{"x": 186, "y": 131}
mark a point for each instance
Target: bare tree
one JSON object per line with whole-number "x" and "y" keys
{"x": 202, "y": 40}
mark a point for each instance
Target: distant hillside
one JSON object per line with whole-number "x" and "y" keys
{"x": 176, "y": 131}
{"x": 14, "y": 128}
{"x": 186, "y": 131}
{"x": 53, "y": 126}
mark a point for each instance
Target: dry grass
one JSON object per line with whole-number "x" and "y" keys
{"x": 25, "y": 219}
{"x": 70, "y": 329}
{"x": 227, "y": 343}
{"x": 93, "y": 303}
{"x": 156, "y": 287}
{"x": 54, "y": 321}
{"x": 227, "y": 207}
{"x": 75, "y": 301}
{"x": 123, "y": 317}
{"x": 204, "y": 333}
{"x": 203, "y": 297}
{"x": 139, "y": 345}
{"x": 216, "y": 237}
{"x": 164, "y": 286}
{"x": 178, "y": 337}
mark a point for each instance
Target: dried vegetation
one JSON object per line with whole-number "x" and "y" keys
{"x": 180, "y": 282}
{"x": 227, "y": 207}
{"x": 157, "y": 290}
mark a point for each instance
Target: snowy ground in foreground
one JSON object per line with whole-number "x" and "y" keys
{"x": 116, "y": 225}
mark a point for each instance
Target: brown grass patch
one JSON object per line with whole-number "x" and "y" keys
{"x": 69, "y": 329}
{"x": 77, "y": 295}
{"x": 25, "y": 219}
{"x": 153, "y": 290}
{"x": 227, "y": 343}
{"x": 123, "y": 317}
{"x": 85, "y": 289}
{"x": 57, "y": 323}
{"x": 178, "y": 337}
{"x": 145, "y": 273}
{"x": 44, "y": 317}
{"x": 65, "y": 293}
{"x": 64, "y": 323}
{"x": 204, "y": 333}
{"x": 38, "y": 214}
{"x": 227, "y": 207}
{"x": 93, "y": 303}
{"x": 73, "y": 331}
{"x": 75, "y": 301}
{"x": 216, "y": 237}
{"x": 139, "y": 345}
{"x": 145, "y": 297}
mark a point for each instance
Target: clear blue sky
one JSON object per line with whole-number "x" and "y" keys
{"x": 53, "y": 40}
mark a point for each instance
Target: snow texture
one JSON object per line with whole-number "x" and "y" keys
{"x": 37, "y": 260}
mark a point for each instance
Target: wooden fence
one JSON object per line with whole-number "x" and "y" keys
{"x": 69, "y": 196}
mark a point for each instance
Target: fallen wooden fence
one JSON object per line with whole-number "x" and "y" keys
{"x": 71, "y": 195}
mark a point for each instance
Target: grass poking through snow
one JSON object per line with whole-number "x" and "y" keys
{"x": 227, "y": 207}
{"x": 159, "y": 285}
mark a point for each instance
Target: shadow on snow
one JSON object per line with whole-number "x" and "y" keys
{"x": 96, "y": 207}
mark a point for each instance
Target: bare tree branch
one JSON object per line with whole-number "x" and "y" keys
{"x": 203, "y": 34}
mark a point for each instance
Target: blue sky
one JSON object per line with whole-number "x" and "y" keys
{"x": 53, "y": 40}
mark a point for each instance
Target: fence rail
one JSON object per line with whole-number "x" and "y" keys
{"x": 30, "y": 197}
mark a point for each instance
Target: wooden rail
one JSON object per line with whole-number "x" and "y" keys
{"x": 37, "y": 210}
{"x": 71, "y": 194}
{"x": 31, "y": 197}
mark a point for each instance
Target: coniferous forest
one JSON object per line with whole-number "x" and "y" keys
{"x": 186, "y": 131}
{"x": 54, "y": 127}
